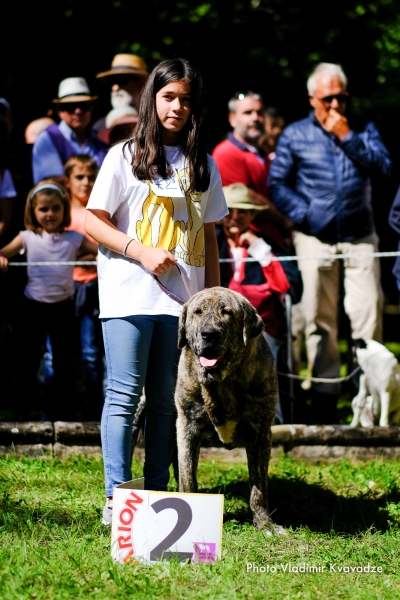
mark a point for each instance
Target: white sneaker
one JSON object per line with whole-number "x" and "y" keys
{"x": 107, "y": 514}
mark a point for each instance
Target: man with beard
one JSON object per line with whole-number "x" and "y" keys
{"x": 240, "y": 159}
{"x": 126, "y": 77}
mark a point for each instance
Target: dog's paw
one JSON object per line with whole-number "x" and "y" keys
{"x": 275, "y": 530}
{"x": 272, "y": 529}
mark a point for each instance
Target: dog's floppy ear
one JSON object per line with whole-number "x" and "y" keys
{"x": 182, "y": 341}
{"x": 253, "y": 324}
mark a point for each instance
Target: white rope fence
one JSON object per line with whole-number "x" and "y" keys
{"x": 306, "y": 379}
{"x": 93, "y": 263}
{"x": 320, "y": 379}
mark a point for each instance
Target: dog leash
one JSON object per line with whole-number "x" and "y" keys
{"x": 171, "y": 294}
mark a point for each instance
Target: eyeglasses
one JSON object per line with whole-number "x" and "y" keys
{"x": 340, "y": 98}
{"x": 70, "y": 107}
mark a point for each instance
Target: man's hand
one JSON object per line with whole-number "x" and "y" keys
{"x": 156, "y": 260}
{"x": 247, "y": 238}
{"x": 336, "y": 124}
{"x": 332, "y": 121}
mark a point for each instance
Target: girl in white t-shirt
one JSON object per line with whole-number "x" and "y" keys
{"x": 154, "y": 204}
{"x": 47, "y": 307}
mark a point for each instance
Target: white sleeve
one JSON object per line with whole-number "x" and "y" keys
{"x": 261, "y": 251}
{"x": 214, "y": 198}
{"x": 108, "y": 190}
{"x": 24, "y": 234}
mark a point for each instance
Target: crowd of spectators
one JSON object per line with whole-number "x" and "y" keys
{"x": 304, "y": 188}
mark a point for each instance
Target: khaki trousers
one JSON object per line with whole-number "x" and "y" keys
{"x": 362, "y": 300}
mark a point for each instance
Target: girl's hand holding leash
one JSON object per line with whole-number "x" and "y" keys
{"x": 156, "y": 260}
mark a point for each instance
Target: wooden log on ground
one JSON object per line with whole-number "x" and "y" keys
{"x": 77, "y": 434}
{"x": 29, "y": 433}
{"x": 343, "y": 435}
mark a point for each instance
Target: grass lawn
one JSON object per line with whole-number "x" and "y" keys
{"x": 53, "y": 545}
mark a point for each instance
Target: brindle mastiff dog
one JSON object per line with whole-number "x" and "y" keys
{"x": 226, "y": 381}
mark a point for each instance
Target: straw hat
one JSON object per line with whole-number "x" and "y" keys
{"x": 126, "y": 64}
{"x": 74, "y": 89}
{"x": 238, "y": 195}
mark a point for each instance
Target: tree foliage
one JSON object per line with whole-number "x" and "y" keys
{"x": 266, "y": 45}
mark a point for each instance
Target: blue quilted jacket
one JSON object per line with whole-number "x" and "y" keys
{"x": 323, "y": 184}
{"x": 394, "y": 222}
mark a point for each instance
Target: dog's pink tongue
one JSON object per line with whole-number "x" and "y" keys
{"x": 208, "y": 362}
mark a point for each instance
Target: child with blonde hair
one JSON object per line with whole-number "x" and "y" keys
{"x": 47, "y": 307}
{"x": 81, "y": 171}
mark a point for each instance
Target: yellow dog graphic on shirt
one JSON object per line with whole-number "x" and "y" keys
{"x": 158, "y": 229}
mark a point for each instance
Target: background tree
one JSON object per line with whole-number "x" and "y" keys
{"x": 269, "y": 46}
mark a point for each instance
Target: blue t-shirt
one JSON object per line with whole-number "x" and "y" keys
{"x": 7, "y": 189}
{"x": 46, "y": 161}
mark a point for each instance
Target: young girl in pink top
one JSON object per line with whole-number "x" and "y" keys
{"x": 48, "y": 307}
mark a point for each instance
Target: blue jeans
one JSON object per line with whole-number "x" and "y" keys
{"x": 141, "y": 351}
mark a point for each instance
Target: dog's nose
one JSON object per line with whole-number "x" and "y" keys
{"x": 209, "y": 334}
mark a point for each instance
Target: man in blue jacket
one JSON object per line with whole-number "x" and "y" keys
{"x": 320, "y": 179}
{"x": 394, "y": 222}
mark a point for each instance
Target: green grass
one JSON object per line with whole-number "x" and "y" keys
{"x": 53, "y": 546}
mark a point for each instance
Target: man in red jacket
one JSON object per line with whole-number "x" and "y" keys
{"x": 240, "y": 159}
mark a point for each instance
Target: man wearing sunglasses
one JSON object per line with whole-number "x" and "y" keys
{"x": 320, "y": 179}
{"x": 73, "y": 135}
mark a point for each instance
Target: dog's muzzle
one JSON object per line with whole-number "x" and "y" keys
{"x": 209, "y": 355}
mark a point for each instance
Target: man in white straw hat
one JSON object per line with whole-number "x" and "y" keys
{"x": 126, "y": 77}
{"x": 54, "y": 146}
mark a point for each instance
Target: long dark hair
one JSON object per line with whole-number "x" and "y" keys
{"x": 149, "y": 149}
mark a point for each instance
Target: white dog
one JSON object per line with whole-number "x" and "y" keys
{"x": 378, "y": 398}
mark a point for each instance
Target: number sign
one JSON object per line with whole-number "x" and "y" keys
{"x": 151, "y": 526}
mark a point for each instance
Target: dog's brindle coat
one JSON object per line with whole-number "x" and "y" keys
{"x": 234, "y": 391}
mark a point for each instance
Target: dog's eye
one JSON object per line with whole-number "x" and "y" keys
{"x": 198, "y": 311}
{"x": 226, "y": 311}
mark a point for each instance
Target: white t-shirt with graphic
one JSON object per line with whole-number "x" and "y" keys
{"x": 175, "y": 223}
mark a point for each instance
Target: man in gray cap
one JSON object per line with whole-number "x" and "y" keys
{"x": 54, "y": 146}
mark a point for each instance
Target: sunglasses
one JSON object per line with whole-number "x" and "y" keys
{"x": 70, "y": 107}
{"x": 123, "y": 80}
{"x": 340, "y": 98}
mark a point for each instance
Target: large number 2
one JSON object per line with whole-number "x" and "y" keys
{"x": 184, "y": 519}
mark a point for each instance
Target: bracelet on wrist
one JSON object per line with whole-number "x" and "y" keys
{"x": 126, "y": 248}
